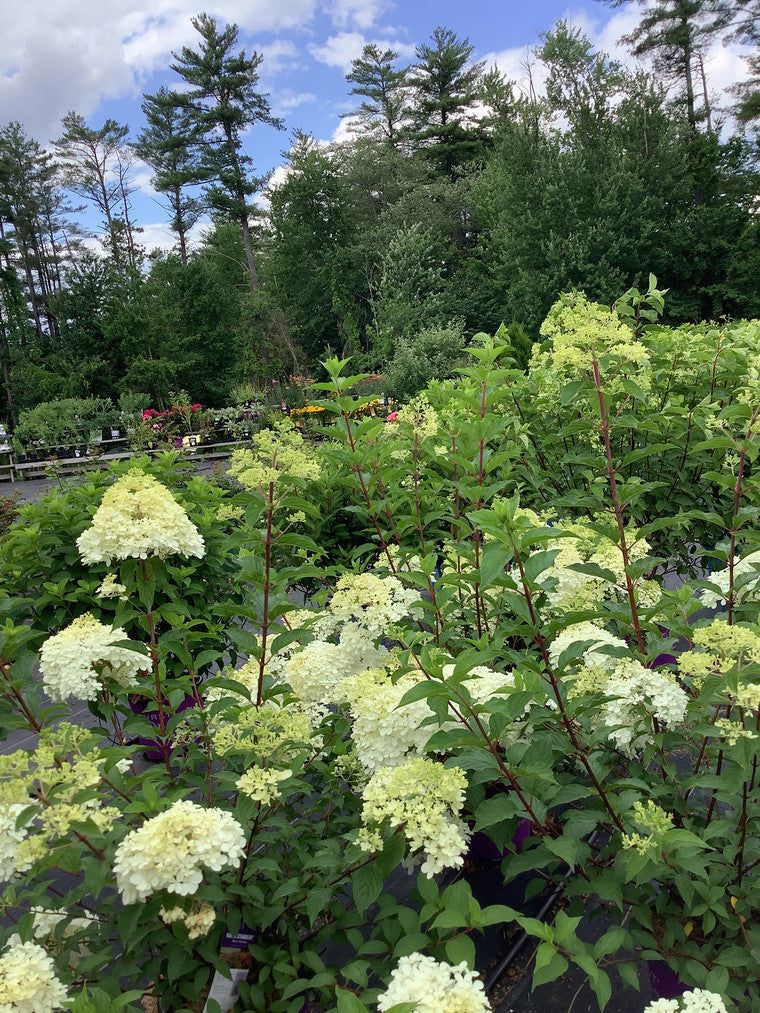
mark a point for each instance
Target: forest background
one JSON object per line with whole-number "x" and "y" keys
{"x": 457, "y": 202}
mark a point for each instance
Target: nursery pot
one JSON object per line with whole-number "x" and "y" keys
{"x": 154, "y": 749}
{"x": 664, "y": 982}
{"x": 483, "y": 848}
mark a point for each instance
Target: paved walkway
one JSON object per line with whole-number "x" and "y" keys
{"x": 32, "y": 488}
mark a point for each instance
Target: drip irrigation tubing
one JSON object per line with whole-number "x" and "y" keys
{"x": 497, "y": 973}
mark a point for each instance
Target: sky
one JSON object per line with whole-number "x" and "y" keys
{"x": 98, "y": 57}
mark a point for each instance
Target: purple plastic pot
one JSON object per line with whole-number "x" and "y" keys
{"x": 665, "y": 984}
{"x": 482, "y": 847}
{"x": 155, "y": 748}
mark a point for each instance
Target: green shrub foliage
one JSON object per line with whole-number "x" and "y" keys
{"x": 530, "y": 600}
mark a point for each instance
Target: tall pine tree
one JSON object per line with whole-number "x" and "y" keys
{"x": 224, "y": 103}
{"x": 445, "y": 88}
{"x": 169, "y": 144}
{"x": 383, "y": 88}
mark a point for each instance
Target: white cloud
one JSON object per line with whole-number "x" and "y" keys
{"x": 155, "y": 236}
{"x": 280, "y": 55}
{"x": 263, "y": 15}
{"x": 141, "y": 177}
{"x": 339, "y": 50}
{"x": 159, "y": 236}
{"x": 520, "y": 66}
{"x": 343, "y": 131}
{"x": 362, "y": 13}
{"x": 55, "y": 71}
{"x": 57, "y": 55}
{"x": 286, "y": 101}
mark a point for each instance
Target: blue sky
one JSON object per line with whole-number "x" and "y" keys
{"x": 99, "y": 56}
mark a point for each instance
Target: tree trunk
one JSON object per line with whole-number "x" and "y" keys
{"x": 688, "y": 53}
{"x": 248, "y": 243}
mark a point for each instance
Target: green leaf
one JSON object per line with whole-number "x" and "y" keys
{"x": 349, "y": 1002}
{"x": 367, "y": 884}
{"x": 549, "y": 964}
{"x": 460, "y": 948}
{"x": 410, "y": 944}
{"x": 316, "y": 901}
{"x": 493, "y": 563}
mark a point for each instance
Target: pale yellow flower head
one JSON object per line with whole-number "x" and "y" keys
{"x": 137, "y": 518}
{"x": 75, "y": 661}
{"x": 277, "y": 455}
{"x": 434, "y": 987}
{"x": 28, "y": 983}
{"x": 653, "y": 821}
{"x": 424, "y": 799}
{"x": 198, "y": 920}
{"x": 172, "y": 850}
{"x": 582, "y": 331}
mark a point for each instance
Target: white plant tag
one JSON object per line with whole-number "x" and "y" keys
{"x": 225, "y": 990}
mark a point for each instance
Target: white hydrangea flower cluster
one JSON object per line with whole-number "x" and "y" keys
{"x": 593, "y": 656}
{"x": 47, "y": 920}
{"x": 483, "y": 684}
{"x": 374, "y": 603}
{"x": 198, "y": 920}
{"x": 12, "y": 859}
{"x": 46, "y": 927}
{"x": 434, "y": 986}
{"x": 170, "y": 851}
{"x": 262, "y": 783}
{"x": 75, "y": 661}
{"x": 424, "y": 799}
{"x": 636, "y": 695}
{"x": 384, "y": 733}
{"x": 28, "y": 983}
{"x": 315, "y": 671}
{"x": 111, "y": 588}
{"x": 746, "y": 582}
{"x": 697, "y": 1001}
{"x": 566, "y": 588}
{"x": 137, "y": 518}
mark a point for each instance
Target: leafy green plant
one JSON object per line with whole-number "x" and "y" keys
{"x": 485, "y": 615}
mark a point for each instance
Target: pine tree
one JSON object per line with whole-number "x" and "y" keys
{"x": 32, "y": 214}
{"x": 741, "y": 23}
{"x": 224, "y": 102}
{"x": 384, "y": 90}
{"x": 169, "y": 144}
{"x": 674, "y": 33}
{"x": 445, "y": 87}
